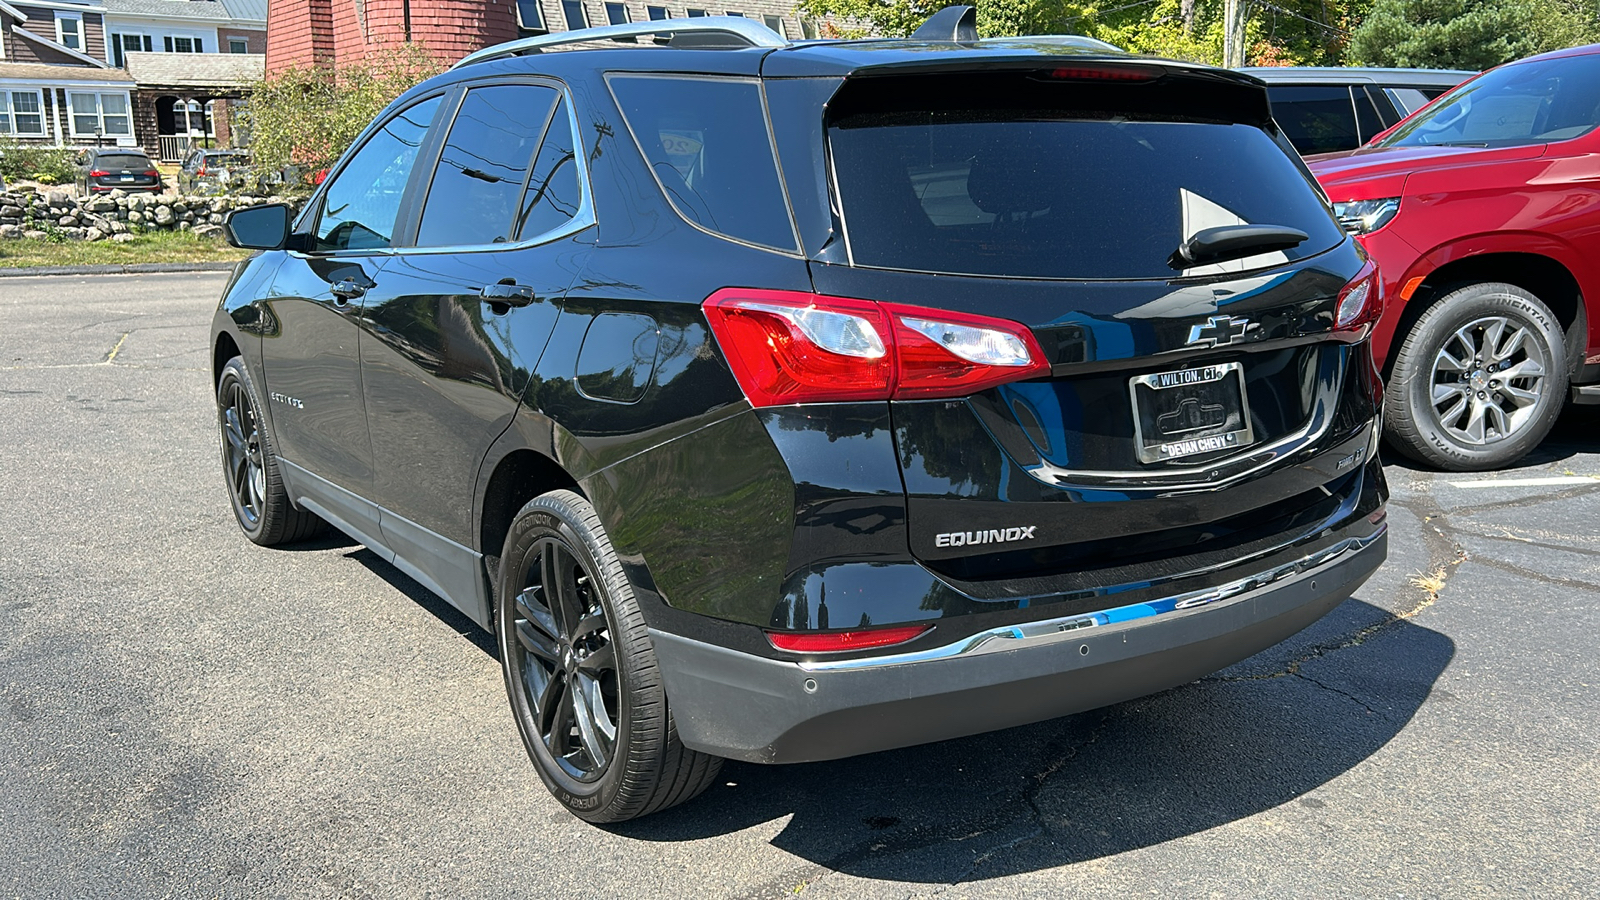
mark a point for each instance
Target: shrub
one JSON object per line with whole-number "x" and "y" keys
{"x": 25, "y": 162}
{"x": 307, "y": 117}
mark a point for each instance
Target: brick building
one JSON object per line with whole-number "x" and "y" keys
{"x": 314, "y": 32}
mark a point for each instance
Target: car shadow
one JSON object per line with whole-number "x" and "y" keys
{"x": 1093, "y": 785}
{"x": 428, "y": 600}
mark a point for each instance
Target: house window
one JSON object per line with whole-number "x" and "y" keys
{"x": 732, "y": 13}
{"x": 530, "y": 17}
{"x": 69, "y": 31}
{"x": 660, "y": 14}
{"x": 775, "y": 23}
{"x": 696, "y": 13}
{"x": 617, "y": 14}
{"x": 21, "y": 113}
{"x": 238, "y": 45}
{"x": 184, "y": 44}
{"x": 99, "y": 114}
{"x": 809, "y": 29}
{"x": 127, "y": 43}
{"x": 573, "y": 12}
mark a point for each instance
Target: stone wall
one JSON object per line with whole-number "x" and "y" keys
{"x": 26, "y": 213}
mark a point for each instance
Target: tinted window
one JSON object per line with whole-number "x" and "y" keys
{"x": 979, "y": 193}
{"x": 706, "y": 140}
{"x": 1317, "y": 119}
{"x": 553, "y": 195}
{"x": 361, "y": 204}
{"x": 484, "y": 165}
{"x": 123, "y": 161}
{"x": 1408, "y": 100}
{"x": 1368, "y": 120}
{"x": 1523, "y": 103}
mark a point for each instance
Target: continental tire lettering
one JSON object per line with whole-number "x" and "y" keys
{"x": 991, "y": 536}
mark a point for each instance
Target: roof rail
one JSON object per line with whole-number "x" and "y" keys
{"x": 740, "y": 32}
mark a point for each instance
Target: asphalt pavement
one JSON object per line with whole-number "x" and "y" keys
{"x": 186, "y": 714}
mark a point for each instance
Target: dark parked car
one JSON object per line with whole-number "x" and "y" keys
{"x": 208, "y": 171}
{"x": 1324, "y": 110}
{"x": 105, "y": 169}
{"x": 783, "y": 402}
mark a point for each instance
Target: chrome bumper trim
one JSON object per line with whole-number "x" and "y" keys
{"x": 1032, "y": 634}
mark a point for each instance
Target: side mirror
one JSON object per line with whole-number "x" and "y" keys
{"x": 258, "y": 227}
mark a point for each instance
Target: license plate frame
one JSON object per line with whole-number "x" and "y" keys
{"x": 1190, "y": 412}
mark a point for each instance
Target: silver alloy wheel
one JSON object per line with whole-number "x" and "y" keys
{"x": 1488, "y": 378}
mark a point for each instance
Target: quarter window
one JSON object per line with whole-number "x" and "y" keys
{"x": 1316, "y": 119}
{"x": 21, "y": 113}
{"x": 360, "y": 206}
{"x": 97, "y": 114}
{"x": 484, "y": 165}
{"x": 554, "y": 194}
{"x": 706, "y": 141}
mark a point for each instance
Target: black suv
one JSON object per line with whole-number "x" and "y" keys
{"x": 105, "y": 169}
{"x": 783, "y": 402}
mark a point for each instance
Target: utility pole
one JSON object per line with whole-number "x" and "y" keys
{"x": 1233, "y": 16}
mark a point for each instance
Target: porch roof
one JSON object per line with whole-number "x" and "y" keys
{"x": 196, "y": 71}
{"x": 58, "y": 76}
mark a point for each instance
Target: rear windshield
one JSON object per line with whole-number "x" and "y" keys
{"x": 122, "y": 161}
{"x": 1074, "y": 192}
{"x": 1524, "y": 103}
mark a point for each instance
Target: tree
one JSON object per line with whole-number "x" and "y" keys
{"x": 1282, "y": 32}
{"x": 1468, "y": 34}
{"x": 308, "y": 117}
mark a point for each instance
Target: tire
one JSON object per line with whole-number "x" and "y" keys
{"x": 250, "y": 466}
{"x": 1450, "y": 403}
{"x": 581, "y": 671}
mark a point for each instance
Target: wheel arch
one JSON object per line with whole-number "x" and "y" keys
{"x": 226, "y": 348}
{"x": 1535, "y": 270}
{"x": 507, "y": 486}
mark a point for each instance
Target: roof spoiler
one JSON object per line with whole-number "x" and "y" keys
{"x": 953, "y": 23}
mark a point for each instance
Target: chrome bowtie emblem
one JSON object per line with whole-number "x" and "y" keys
{"x": 1219, "y": 331}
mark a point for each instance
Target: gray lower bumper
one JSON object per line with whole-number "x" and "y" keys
{"x": 749, "y": 708}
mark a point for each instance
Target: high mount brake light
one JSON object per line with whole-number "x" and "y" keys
{"x": 1360, "y": 301}
{"x": 1107, "y": 73}
{"x": 841, "y": 641}
{"x": 789, "y": 347}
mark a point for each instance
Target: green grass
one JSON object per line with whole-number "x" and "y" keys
{"x": 150, "y": 247}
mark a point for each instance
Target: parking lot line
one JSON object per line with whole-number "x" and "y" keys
{"x": 1528, "y": 482}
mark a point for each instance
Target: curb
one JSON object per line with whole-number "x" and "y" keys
{"x": 122, "y": 269}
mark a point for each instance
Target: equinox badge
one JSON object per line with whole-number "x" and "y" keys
{"x": 992, "y": 536}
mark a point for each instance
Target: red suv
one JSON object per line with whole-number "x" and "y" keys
{"x": 1483, "y": 212}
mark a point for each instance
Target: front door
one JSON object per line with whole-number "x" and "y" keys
{"x": 312, "y": 353}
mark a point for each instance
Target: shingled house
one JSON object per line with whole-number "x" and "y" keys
{"x": 71, "y": 70}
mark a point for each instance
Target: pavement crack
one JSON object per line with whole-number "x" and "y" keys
{"x": 1534, "y": 575}
{"x": 1331, "y": 689}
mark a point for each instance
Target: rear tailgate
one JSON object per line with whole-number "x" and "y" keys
{"x": 1190, "y": 406}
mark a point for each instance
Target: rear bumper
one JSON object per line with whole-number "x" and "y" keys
{"x": 745, "y": 707}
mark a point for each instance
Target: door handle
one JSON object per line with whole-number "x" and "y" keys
{"x": 347, "y": 290}
{"x": 507, "y": 294}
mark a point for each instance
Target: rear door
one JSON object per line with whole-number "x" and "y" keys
{"x": 1059, "y": 199}
{"x": 312, "y": 352}
{"x": 456, "y": 326}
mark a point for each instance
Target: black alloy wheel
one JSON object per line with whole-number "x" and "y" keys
{"x": 580, "y": 669}
{"x": 260, "y": 503}
{"x": 567, "y": 661}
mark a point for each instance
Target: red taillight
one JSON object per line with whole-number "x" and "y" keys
{"x": 98, "y": 173}
{"x": 791, "y": 347}
{"x": 152, "y": 173}
{"x": 1107, "y": 73}
{"x": 1360, "y": 301}
{"x": 201, "y": 171}
{"x": 840, "y": 641}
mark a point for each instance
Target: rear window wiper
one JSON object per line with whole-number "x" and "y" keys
{"x": 1226, "y": 242}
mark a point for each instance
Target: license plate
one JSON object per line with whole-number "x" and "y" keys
{"x": 127, "y": 178}
{"x": 1189, "y": 412}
